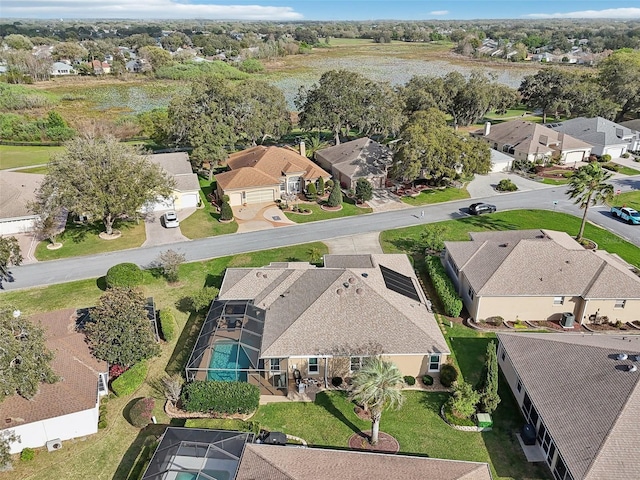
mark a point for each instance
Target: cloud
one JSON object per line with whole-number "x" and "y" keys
{"x": 624, "y": 13}
{"x": 148, "y": 9}
{"x": 439, "y": 12}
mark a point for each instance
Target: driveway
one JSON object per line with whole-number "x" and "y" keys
{"x": 483, "y": 185}
{"x": 261, "y": 216}
{"x": 383, "y": 201}
{"x": 355, "y": 244}
{"x": 158, "y": 235}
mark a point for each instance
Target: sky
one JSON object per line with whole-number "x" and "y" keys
{"x": 299, "y": 10}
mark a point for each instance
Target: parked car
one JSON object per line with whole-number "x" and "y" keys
{"x": 170, "y": 219}
{"x": 627, "y": 214}
{"x": 479, "y": 208}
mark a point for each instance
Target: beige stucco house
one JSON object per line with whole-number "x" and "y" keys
{"x": 263, "y": 174}
{"x": 538, "y": 275}
{"x": 530, "y": 141}
{"x": 270, "y": 323}
{"x": 581, "y": 394}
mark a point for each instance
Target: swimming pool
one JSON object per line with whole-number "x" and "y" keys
{"x": 226, "y": 359}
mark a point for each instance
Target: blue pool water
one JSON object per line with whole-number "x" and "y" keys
{"x": 223, "y": 366}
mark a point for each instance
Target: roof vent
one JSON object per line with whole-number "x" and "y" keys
{"x": 621, "y": 356}
{"x": 365, "y": 275}
{"x": 345, "y": 284}
{"x": 352, "y": 280}
{"x": 258, "y": 274}
{"x": 632, "y": 368}
{"x": 359, "y": 291}
{"x": 634, "y": 358}
{"x": 504, "y": 244}
{"x": 339, "y": 291}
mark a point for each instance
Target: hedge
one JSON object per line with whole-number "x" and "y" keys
{"x": 445, "y": 288}
{"x": 126, "y": 275}
{"x": 167, "y": 325}
{"x": 220, "y": 397}
{"x": 129, "y": 381}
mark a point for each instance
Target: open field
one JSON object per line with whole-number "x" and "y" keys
{"x": 21, "y": 156}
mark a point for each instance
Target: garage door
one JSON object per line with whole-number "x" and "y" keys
{"x": 189, "y": 200}
{"x": 259, "y": 196}
{"x": 235, "y": 199}
{"x": 574, "y": 157}
{"x": 614, "y": 152}
{"x": 500, "y": 166}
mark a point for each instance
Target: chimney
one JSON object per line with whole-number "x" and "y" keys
{"x": 303, "y": 149}
{"x": 487, "y": 128}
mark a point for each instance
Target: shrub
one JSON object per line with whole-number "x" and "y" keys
{"x": 409, "y": 380}
{"x": 201, "y": 299}
{"x": 506, "y": 185}
{"x": 115, "y": 371}
{"x": 220, "y": 397}
{"x": 329, "y": 184}
{"x": 427, "y": 380}
{"x": 312, "y": 193}
{"x": 129, "y": 381}
{"x": 27, "y": 454}
{"x": 167, "y": 325}
{"x": 170, "y": 262}
{"x": 141, "y": 410}
{"x": 625, "y": 155}
{"x": 251, "y": 65}
{"x": 611, "y": 166}
{"x": 464, "y": 400}
{"x": 448, "y": 374}
{"x": 335, "y": 197}
{"x": 126, "y": 275}
{"x": 444, "y": 286}
{"x": 102, "y": 424}
{"x": 496, "y": 320}
{"x": 226, "y": 213}
{"x": 321, "y": 186}
{"x": 364, "y": 190}
{"x": 336, "y": 381}
{"x": 605, "y": 158}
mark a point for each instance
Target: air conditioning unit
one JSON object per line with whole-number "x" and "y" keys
{"x": 53, "y": 445}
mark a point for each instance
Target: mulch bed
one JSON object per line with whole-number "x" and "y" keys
{"x": 555, "y": 325}
{"x": 386, "y": 443}
{"x": 607, "y": 327}
{"x": 331, "y": 209}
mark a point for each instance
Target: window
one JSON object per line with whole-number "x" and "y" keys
{"x": 558, "y": 300}
{"x": 283, "y": 187}
{"x": 620, "y": 304}
{"x": 356, "y": 364}
{"x": 471, "y": 293}
{"x": 519, "y": 387}
{"x": 434, "y": 363}
{"x": 313, "y": 368}
{"x": 274, "y": 364}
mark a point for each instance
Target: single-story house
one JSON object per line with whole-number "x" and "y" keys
{"x": 232, "y": 455}
{"x": 186, "y": 193}
{"x": 65, "y": 409}
{"x": 61, "y": 68}
{"x": 581, "y": 394}
{"x": 606, "y": 137}
{"x": 632, "y": 125}
{"x": 263, "y": 174}
{"x": 530, "y": 141}
{"x": 500, "y": 162}
{"x": 361, "y": 158}
{"x": 17, "y": 189}
{"x": 539, "y": 275}
{"x": 269, "y": 323}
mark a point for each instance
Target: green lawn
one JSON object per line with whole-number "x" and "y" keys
{"x": 402, "y": 240}
{"x": 630, "y": 199}
{"x": 17, "y": 156}
{"x": 83, "y": 239}
{"x": 204, "y": 221}
{"x": 623, "y": 169}
{"x": 428, "y": 197}
{"x": 348, "y": 209}
{"x": 555, "y": 181}
{"x": 43, "y": 170}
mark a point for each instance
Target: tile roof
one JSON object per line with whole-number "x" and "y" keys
{"x": 73, "y": 363}
{"x": 312, "y": 311}
{"x": 270, "y": 462}
{"x": 16, "y": 190}
{"x": 358, "y": 158}
{"x": 595, "y": 131}
{"x": 588, "y": 401}
{"x": 540, "y": 262}
{"x": 531, "y": 138}
{"x": 245, "y": 177}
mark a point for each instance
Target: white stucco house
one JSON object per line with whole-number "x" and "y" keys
{"x": 68, "y": 408}
{"x": 186, "y": 193}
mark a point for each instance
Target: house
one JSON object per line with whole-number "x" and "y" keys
{"x": 582, "y": 396}
{"x": 633, "y": 125}
{"x": 17, "y": 189}
{"x": 361, "y": 158}
{"x": 500, "y": 162}
{"x": 100, "y": 68}
{"x": 539, "y": 275}
{"x": 269, "y": 323}
{"x": 239, "y": 456}
{"x": 134, "y": 66}
{"x": 65, "y": 409}
{"x": 606, "y": 137}
{"x": 186, "y": 193}
{"x": 530, "y": 141}
{"x": 61, "y": 68}
{"x": 263, "y": 174}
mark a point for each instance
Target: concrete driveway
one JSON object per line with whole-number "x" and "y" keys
{"x": 383, "y": 201}
{"x": 355, "y": 244}
{"x": 157, "y": 234}
{"x": 484, "y": 185}
{"x": 261, "y": 216}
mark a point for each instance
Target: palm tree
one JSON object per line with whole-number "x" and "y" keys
{"x": 313, "y": 144}
{"x": 377, "y": 386}
{"x": 587, "y": 187}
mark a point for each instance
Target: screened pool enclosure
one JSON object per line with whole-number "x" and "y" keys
{"x": 228, "y": 349}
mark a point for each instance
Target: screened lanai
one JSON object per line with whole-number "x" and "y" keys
{"x": 228, "y": 348}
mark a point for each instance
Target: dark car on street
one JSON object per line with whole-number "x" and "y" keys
{"x": 480, "y": 208}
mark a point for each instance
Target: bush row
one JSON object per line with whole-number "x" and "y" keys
{"x": 220, "y": 397}
{"x": 129, "y": 381}
{"x": 444, "y": 287}
{"x": 167, "y": 325}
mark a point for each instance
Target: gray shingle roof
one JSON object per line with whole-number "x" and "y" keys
{"x": 177, "y": 165}
{"x": 311, "y": 311}
{"x": 358, "y": 158}
{"x": 588, "y": 401}
{"x": 596, "y": 130}
{"x": 269, "y": 462}
{"x": 540, "y": 262}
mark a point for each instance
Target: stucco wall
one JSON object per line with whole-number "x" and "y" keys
{"x": 629, "y": 313}
{"x": 526, "y": 308}
{"x": 10, "y": 226}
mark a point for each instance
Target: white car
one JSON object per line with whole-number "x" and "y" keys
{"x": 170, "y": 219}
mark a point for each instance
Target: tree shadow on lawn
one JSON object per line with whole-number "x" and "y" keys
{"x": 487, "y": 223}
{"x": 326, "y": 402}
{"x": 185, "y": 343}
{"x": 139, "y": 452}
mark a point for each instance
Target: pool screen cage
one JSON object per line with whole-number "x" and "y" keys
{"x": 240, "y": 323}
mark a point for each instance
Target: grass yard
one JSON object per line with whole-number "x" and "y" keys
{"x": 630, "y": 199}
{"x": 42, "y": 170}
{"x": 17, "y": 156}
{"x": 623, "y": 169}
{"x": 428, "y": 197}
{"x": 348, "y": 209}
{"x": 83, "y": 239}
{"x": 204, "y": 221}
{"x": 555, "y": 181}
{"x": 402, "y": 240}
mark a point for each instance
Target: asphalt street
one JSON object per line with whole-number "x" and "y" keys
{"x": 78, "y": 268}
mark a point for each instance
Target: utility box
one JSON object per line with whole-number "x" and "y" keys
{"x": 484, "y": 420}
{"x": 567, "y": 320}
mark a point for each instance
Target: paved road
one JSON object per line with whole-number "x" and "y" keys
{"x": 59, "y": 271}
